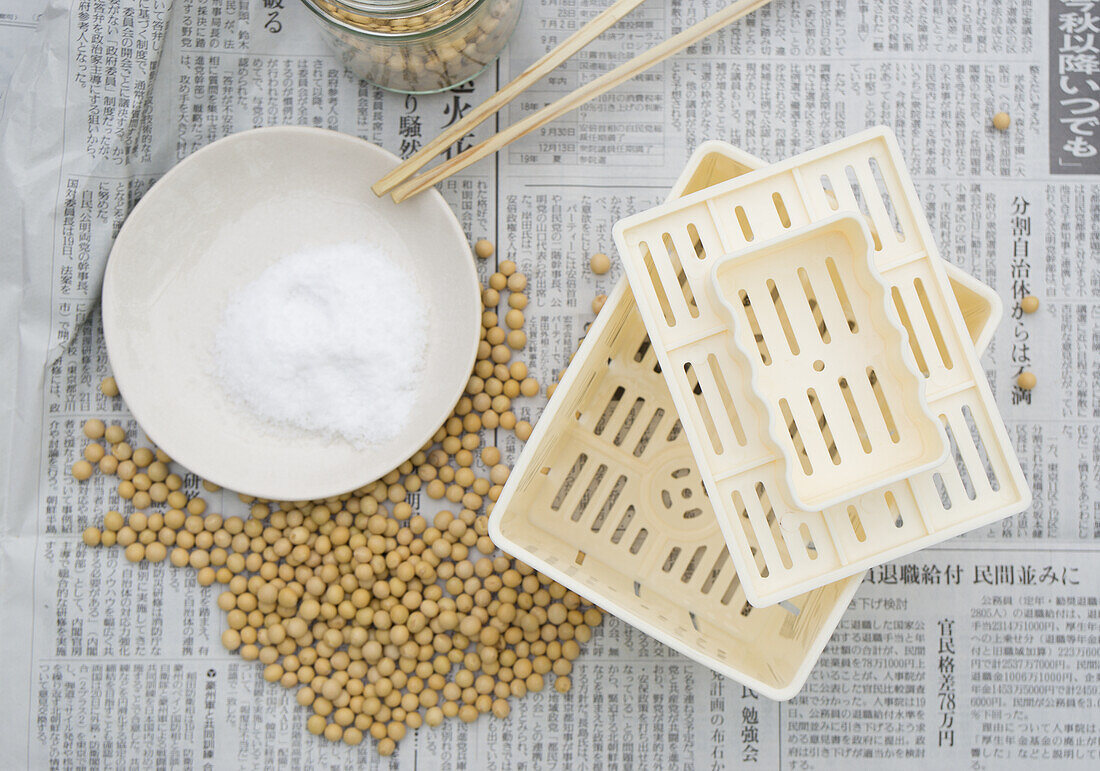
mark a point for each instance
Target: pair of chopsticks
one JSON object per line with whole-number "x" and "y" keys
{"x": 401, "y": 184}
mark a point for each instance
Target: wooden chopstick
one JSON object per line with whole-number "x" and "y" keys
{"x": 585, "y": 93}
{"x": 575, "y": 42}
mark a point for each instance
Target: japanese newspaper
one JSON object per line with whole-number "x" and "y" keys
{"x": 980, "y": 653}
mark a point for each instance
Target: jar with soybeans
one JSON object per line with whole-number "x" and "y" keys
{"x": 417, "y": 46}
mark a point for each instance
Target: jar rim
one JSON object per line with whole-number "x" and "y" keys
{"x": 323, "y": 10}
{"x": 389, "y": 9}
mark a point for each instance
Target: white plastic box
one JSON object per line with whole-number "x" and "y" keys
{"x": 644, "y": 544}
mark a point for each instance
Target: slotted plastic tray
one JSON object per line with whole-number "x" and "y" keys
{"x": 827, "y": 358}
{"x": 779, "y": 549}
{"x": 653, "y": 554}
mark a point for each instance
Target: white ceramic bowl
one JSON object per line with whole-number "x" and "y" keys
{"x": 211, "y": 225}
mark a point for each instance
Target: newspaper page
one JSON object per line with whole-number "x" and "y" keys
{"x": 980, "y": 653}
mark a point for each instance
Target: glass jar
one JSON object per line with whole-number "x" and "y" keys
{"x": 417, "y": 46}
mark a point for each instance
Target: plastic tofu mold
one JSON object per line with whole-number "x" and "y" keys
{"x": 827, "y": 359}
{"x": 607, "y": 497}
{"x": 781, "y": 549}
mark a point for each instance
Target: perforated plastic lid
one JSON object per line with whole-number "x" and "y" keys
{"x": 792, "y": 527}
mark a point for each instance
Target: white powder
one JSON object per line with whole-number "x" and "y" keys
{"x": 329, "y": 340}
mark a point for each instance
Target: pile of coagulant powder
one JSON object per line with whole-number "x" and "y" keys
{"x": 329, "y": 340}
